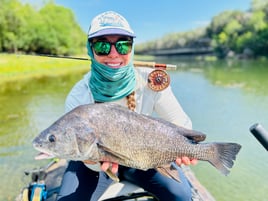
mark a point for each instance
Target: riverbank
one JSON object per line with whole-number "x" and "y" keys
{"x": 22, "y": 69}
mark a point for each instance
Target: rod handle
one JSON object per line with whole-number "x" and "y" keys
{"x": 154, "y": 65}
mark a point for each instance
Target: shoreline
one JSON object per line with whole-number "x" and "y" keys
{"x": 19, "y": 70}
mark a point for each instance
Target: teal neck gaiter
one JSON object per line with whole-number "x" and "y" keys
{"x": 109, "y": 84}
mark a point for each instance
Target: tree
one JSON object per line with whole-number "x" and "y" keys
{"x": 51, "y": 29}
{"x": 62, "y": 34}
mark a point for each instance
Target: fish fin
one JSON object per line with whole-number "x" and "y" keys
{"x": 169, "y": 171}
{"x": 112, "y": 175}
{"x": 195, "y": 136}
{"x": 112, "y": 153}
{"x": 225, "y": 154}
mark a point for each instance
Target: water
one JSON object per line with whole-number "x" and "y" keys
{"x": 23, "y": 114}
{"x": 223, "y": 100}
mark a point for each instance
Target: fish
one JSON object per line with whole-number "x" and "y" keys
{"x": 111, "y": 132}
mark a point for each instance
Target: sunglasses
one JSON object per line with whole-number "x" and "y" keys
{"x": 103, "y": 48}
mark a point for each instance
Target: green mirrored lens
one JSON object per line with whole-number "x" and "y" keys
{"x": 102, "y": 47}
{"x": 123, "y": 47}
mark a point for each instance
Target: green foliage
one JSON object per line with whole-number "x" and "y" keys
{"x": 241, "y": 33}
{"x": 51, "y": 29}
{"x": 174, "y": 40}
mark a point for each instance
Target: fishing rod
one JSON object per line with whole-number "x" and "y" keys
{"x": 148, "y": 64}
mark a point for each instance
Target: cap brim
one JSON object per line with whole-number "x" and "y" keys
{"x": 111, "y": 31}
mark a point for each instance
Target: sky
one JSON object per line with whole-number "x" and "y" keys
{"x": 152, "y": 19}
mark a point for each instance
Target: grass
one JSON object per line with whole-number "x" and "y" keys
{"x": 23, "y": 68}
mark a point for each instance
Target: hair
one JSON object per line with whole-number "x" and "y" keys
{"x": 131, "y": 102}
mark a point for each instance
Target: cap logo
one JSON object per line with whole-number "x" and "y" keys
{"x": 113, "y": 21}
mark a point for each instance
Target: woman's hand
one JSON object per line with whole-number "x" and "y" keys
{"x": 186, "y": 161}
{"x": 113, "y": 167}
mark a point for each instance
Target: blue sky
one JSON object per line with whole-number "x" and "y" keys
{"x": 151, "y": 19}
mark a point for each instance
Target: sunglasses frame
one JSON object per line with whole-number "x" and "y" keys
{"x": 115, "y": 44}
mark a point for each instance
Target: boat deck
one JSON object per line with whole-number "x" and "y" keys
{"x": 55, "y": 172}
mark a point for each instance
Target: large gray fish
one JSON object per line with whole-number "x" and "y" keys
{"x": 110, "y": 132}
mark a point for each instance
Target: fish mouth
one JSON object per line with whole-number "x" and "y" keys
{"x": 42, "y": 155}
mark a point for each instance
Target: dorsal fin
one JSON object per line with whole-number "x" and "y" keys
{"x": 193, "y": 135}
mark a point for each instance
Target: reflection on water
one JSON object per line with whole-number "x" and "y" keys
{"x": 223, "y": 100}
{"x": 249, "y": 75}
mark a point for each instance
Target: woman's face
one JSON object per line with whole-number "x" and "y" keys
{"x": 113, "y": 59}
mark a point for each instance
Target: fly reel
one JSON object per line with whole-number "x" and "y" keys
{"x": 158, "y": 80}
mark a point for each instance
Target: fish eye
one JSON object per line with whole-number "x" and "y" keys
{"x": 52, "y": 138}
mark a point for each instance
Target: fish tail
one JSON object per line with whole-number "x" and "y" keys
{"x": 225, "y": 154}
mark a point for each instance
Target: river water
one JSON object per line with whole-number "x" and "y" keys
{"x": 223, "y": 100}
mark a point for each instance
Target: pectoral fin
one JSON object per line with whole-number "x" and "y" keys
{"x": 112, "y": 155}
{"x": 112, "y": 175}
{"x": 169, "y": 171}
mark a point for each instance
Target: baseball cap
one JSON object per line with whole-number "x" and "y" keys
{"x": 109, "y": 23}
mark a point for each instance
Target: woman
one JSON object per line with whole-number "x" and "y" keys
{"x": 113, "y": 78}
